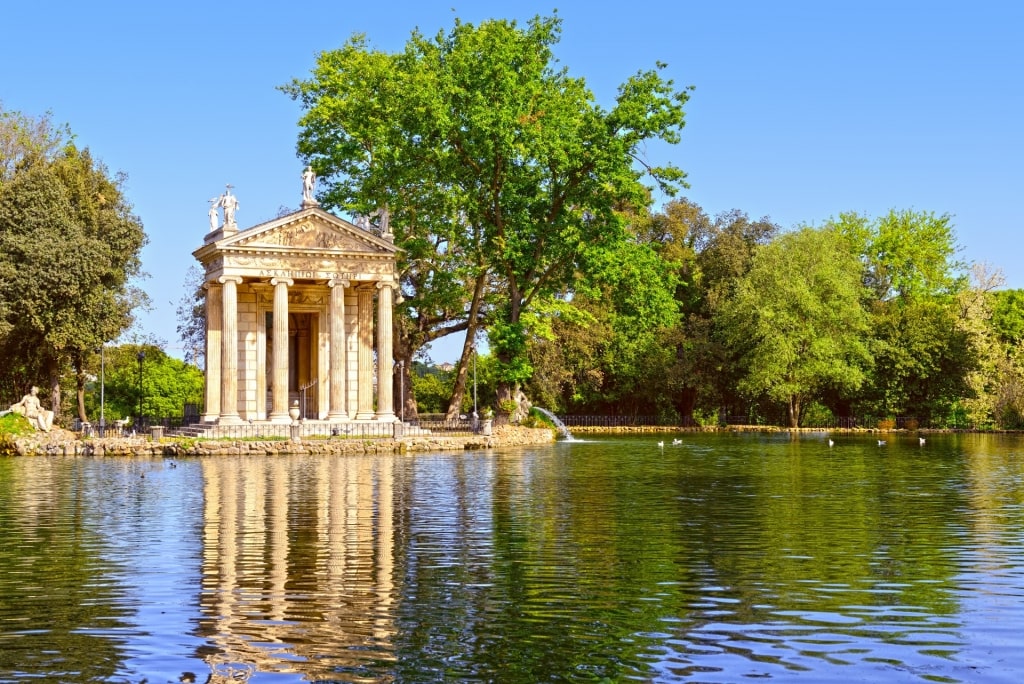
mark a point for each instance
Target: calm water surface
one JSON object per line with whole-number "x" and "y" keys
{"x": 725, "y": 558}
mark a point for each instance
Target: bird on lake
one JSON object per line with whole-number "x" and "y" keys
{"x": 661, "y": 444}
{"x": 677, "y": 441}
{"x": 920, "y": 440}
{"x": 881, "y": 442}
{"x": 831, "y": 443}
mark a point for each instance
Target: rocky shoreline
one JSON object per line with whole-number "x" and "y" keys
{"x": 59, "y": 442}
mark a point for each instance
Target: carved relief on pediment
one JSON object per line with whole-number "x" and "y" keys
{"x": 308, "y": 235}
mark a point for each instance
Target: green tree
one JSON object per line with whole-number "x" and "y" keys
{"x": 711, "y": 255}
{"x": 797, "y": 319}
{"x": 164, "y": 384}
{"x": 69, "y": 249}
{"x": 516, "y": 168}
{"x": 923, "y": 355}
{"x": 25, "y": 140}
{"x": 1008, "y": 316}
{"x": 1005, "y": 384}
{"x": 191, "y": 313}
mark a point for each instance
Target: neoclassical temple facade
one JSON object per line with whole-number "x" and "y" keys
{"x": 298, "y": 309}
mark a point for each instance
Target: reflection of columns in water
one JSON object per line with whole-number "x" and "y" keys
{"x": 265, "y": 595}
{"x": 278, "y": 571}
{"x": 384, "y": 627}
{"x": 229, "y": 350}
{"x": 364, "y": 329}
{"x": 279, "y": 353}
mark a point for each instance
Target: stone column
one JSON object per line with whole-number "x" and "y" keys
{"x": 229, "y": 351}
{"x": 279, "y": 355}
{"x": 339, "y": 352}
{"x": 214, "y": 320}
{"x": 385, "y": 355}
{"x": 364, "y": 327}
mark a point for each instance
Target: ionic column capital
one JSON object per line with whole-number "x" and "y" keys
{"x": 223, "y": 280}
{"x": 282, "y": 281}
{"x": 338, "y": 282}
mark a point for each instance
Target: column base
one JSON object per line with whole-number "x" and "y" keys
{"x": 386, "y": 418}
{"x": 365, "y": 416}
{"x": 230, "y": 420}
{"x": 337, "y": 417}
{"x": 279, "y": 418}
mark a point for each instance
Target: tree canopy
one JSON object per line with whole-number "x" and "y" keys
{"x": 495, "y": 166}
{"x": 69, "y": 251}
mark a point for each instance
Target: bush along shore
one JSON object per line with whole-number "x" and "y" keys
{"x": 59, "y": 442}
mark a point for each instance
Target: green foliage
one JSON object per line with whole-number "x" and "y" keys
{"x": 494, "y": 163}
{"x": 69, "y": 249}
{"x": 167, "y": 384}
{"x": 797, "y": 320}
{"x": 509, "y": 343}
{"x": 15, "y": 425}
{"x": 1008, "y": 316}
{"x": 432, "y": 391}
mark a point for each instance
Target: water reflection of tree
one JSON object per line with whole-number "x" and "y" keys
{"x": 60, "y": 604}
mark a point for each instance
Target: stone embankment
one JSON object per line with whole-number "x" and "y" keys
{"x": 63, "y": 443}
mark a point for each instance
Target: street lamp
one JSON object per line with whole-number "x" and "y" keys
{"x": 103, "y": 387}
{"x": 140, "y": 356}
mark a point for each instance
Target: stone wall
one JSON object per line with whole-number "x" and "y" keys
{"x": 64, "y": 443}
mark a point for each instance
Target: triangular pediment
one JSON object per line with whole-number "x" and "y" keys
{"x": 311, "y": 230}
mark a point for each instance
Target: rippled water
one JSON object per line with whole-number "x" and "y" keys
{"x": 723, "y": 558}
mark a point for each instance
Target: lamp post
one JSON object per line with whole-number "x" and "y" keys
{"x": 103, "y": 387}
{"x": 140, "y": 356}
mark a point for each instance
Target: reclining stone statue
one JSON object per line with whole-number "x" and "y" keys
{"x": 29, "y": 406}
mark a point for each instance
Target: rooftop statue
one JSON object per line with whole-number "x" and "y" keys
{"x": 308, "y": 183}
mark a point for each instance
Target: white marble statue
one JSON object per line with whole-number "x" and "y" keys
{"x": 214, "y": 217}
{"x": 308, "y": 183}
{"x": 384, "y": 224}
{"x": 229, "y": 203}
{"x": 29, "y": 406}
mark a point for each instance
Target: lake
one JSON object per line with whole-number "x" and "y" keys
{"x": 724, "y": 558}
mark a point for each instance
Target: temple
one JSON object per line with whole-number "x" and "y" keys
{"x": 298, "y": 310}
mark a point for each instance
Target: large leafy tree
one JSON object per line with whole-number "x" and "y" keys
{"x": 601, "y": 347}
{"x": 503, "y": 167}
{"x": 923, "y": 355}
{"x": 797, "y": 319}
{"x": 69, "y": 249}
{"x": 711, "y": 255}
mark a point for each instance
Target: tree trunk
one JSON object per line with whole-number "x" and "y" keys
{"x": 468, "y": 347}
{"x": 794, "y": 411}
{"x": 402, "y": 393}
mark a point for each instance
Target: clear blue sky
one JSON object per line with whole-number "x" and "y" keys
{"x": 801, "y": 110}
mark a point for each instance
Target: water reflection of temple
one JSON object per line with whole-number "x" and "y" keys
{"x": 297, "y": 564}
